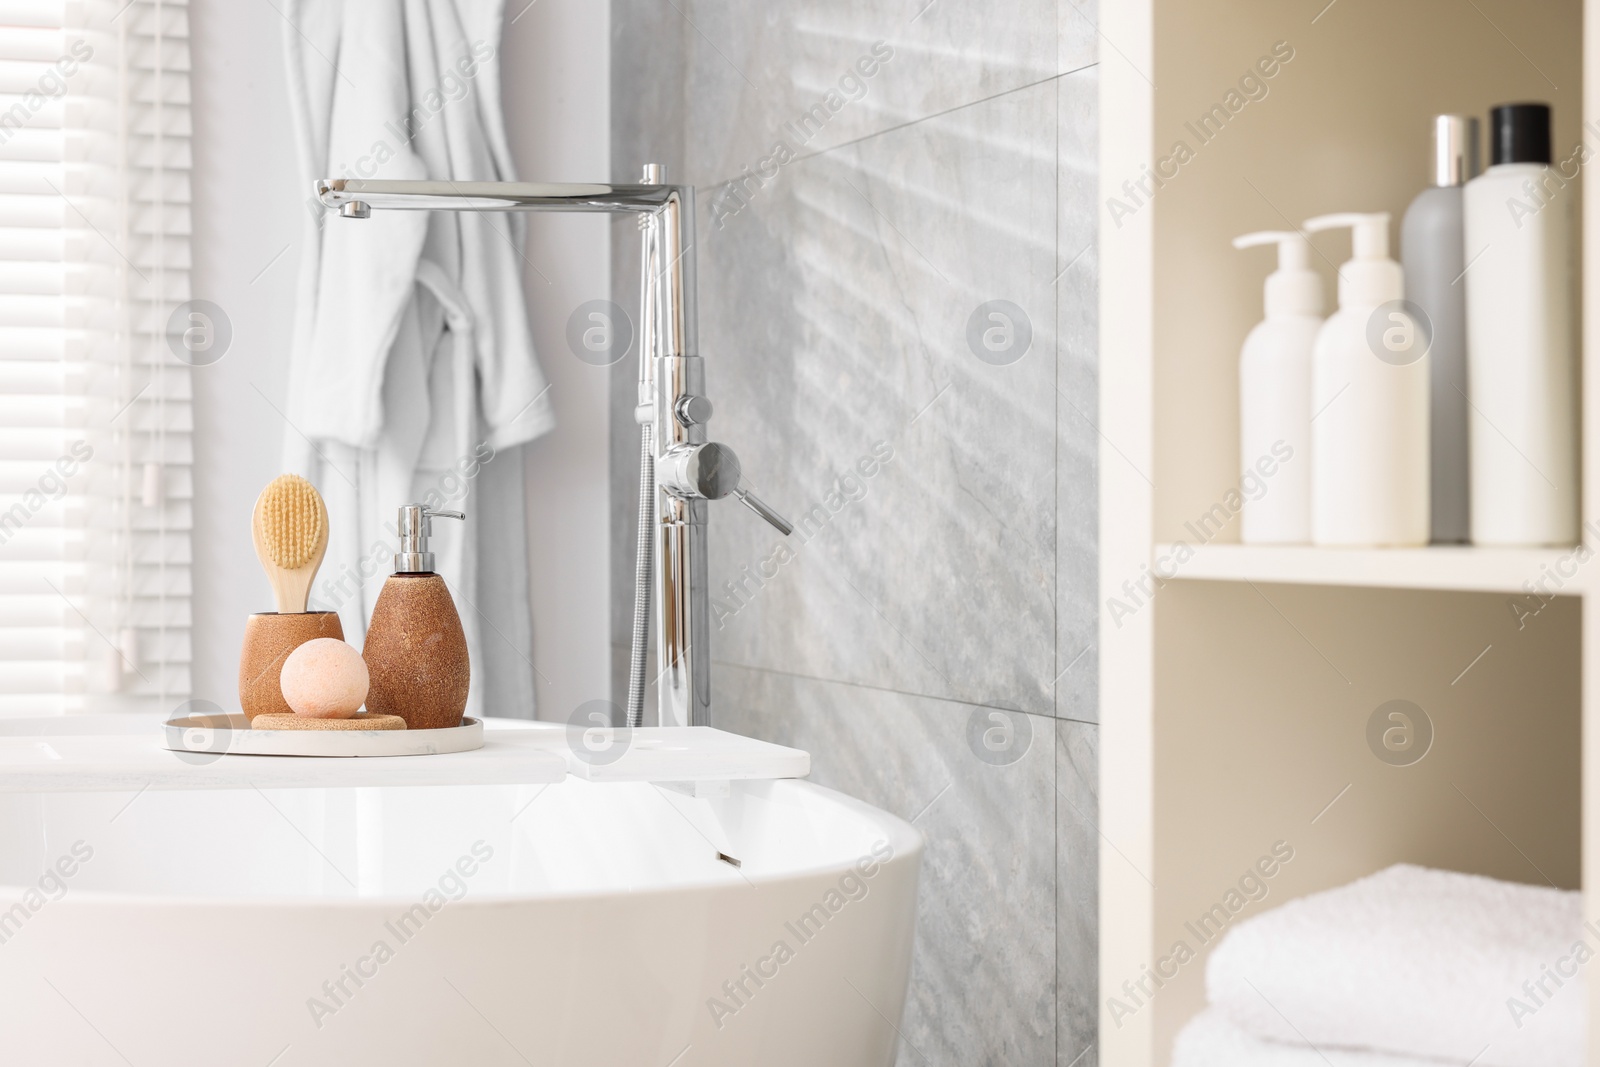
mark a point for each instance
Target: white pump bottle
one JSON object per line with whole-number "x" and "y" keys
{"x": 1369, "y": 401}
{"x": 1275, "y": 397}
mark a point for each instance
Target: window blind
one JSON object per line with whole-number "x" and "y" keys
{"x": 95, "y": 442}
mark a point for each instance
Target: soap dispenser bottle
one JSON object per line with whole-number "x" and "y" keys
{"x": 1522, "y": 340}
{"x": 1369, "y": 401}
{"x": 415, "y": 650}
{"x": 1275, "y": 397}
{"x": 1433, "y": 253}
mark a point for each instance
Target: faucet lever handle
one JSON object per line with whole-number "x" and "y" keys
{"x": 760, "y": 507}
{"x": 710, "y": 471}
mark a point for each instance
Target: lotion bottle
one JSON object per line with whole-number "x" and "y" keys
{"x": 1521, "y": 338}
{"x": 1369, "y": 401}
{"x": 1275, "y": 396}
{"x": 415, "y": 649}
{"x": 1433, "y": 253}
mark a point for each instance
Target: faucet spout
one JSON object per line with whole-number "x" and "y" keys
{"x": 494, "y": 196}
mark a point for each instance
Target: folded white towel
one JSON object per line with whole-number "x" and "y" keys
{"x": 1211, "y": 1040}
{"x": 1418, "y": 962}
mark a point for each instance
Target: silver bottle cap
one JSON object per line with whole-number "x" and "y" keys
{"x": 416, "y": 525}
{"x": 1455, "y": 149}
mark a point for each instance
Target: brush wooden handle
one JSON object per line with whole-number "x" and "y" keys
{"x": 291, "y": 587}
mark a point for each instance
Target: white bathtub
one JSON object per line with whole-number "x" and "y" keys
{"x": 472, "y": 925}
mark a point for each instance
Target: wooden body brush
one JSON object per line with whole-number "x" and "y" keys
{"x": 290, "y": 530}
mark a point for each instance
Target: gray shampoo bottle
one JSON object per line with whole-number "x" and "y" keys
{"x": 1433, "y": 255}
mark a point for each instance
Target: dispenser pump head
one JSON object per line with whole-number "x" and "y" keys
{"x": 1294, "y": 288}
{"x": 1369, "y": 232}
{"x": 1370, "y": 277}
{"x": 416, "y": 525}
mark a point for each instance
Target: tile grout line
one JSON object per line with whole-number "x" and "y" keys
{"x": 920, "y": 119}
{"x": 1055, "y": 780}
{"x": 1055, "y": 689}
{"x": 895, "y": 692}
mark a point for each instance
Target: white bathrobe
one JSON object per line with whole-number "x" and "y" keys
{"x": 413, "y": 375}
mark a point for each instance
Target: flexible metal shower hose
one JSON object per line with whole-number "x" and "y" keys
{"x": 641, "y": 579}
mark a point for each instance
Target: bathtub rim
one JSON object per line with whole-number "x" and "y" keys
{"x": 906, "y": 841}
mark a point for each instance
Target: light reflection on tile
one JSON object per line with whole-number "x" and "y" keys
{"x": 834, "y": 301}
{"x": 983, "y": 980}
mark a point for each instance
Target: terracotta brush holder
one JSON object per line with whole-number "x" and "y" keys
{"x": 416, "y": 654}
{"x": 269, "y": 637}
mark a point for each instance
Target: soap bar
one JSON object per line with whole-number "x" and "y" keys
{"x": 325, "y": 679}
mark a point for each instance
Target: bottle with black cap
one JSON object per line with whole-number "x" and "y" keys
{"x": 1521, "y": 337}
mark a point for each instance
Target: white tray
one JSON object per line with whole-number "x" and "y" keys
{"x": 211, "y": 735}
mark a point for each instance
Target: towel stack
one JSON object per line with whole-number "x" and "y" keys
{"x": 1407, "y": 967}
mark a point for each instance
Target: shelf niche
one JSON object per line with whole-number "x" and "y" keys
{"x": 1262, "y": 735}
{"x": 1235, "y": 701}
{"x": 1344, "y": 125}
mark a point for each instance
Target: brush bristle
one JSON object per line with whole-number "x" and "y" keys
{"x": 291, "y": 521}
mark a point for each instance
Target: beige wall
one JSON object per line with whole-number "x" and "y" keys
{"x": 1344, "y": 127}
{"x": 1263, "y": 694}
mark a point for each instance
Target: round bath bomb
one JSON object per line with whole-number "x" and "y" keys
{"x": 325, "y": 679}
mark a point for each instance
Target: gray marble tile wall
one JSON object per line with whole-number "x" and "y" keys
{"x": 898, "y": 313}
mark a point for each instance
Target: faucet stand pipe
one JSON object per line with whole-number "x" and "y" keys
{"x": 680, "y": 471}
